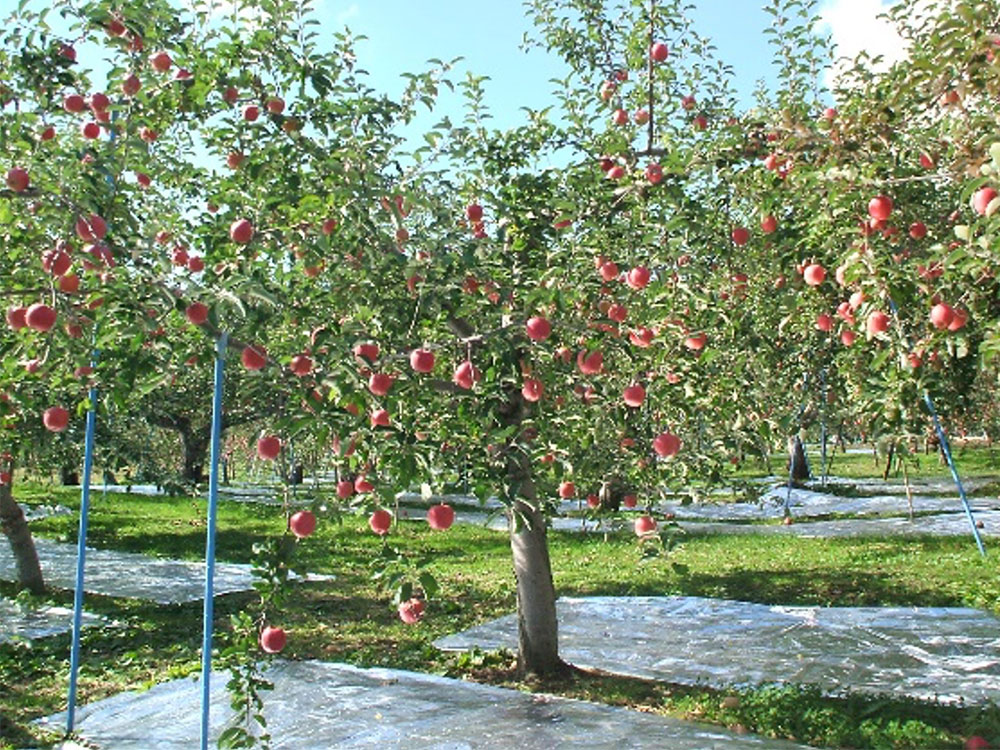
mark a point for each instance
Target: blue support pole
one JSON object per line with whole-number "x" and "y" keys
{"x": 81, "y": 553}
{"x": 954, "y": 472}
{"x": 213, "y": 502}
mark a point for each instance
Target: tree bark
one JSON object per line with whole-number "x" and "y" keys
{"x": 798, "y": 466}
{"x": 15, "y": 527}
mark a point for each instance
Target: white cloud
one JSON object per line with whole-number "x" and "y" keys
{"x": 855, "y": 27}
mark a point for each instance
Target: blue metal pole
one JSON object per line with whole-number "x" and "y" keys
{"x": 81, "y": 552}
{"x": 213, "y": 502}
{"x": 954, "y": 472}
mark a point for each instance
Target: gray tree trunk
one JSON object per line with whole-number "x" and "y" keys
{"x": 15, "y": 528}
{"x": 798, "y": 466}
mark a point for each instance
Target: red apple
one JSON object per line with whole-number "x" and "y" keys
{"x": 17, "y": 179}
{"x": 880, "y": 207}
{"x": 619, "y": 117}
{"x": 195, "y": 264}
{"x": 768, "y": 224}
{"x": 345, "y": 489}
{"x": 254, "y": 357}
{"x": 55, "y": 418}
{"x": 40, "y": 317}
{"x": 641, "y": 116}
{"x": 160, "y": 61}
{"x": 251, "y": 112}
{"x": 379, "y": 418}
{"x": 616, "y": 172}
{"x": 918, "y": 230}
{"x": 532, "y": 390}
{"x": 131, "y": 85}
{"x": 380, "y": 522}
{"x": 630, "y": 501}
{"x": 16, "y": 317}
{"x": 609, "y": 270}
{"x": 68, "y": 51}
{"x": 234, "y": 159}
{"x": 272, "y": 640}
{"x": 688, "y": 102}
{"x": 824, "y": 322}
{"x": 241, "y": 231}
{"x": 617, "y": 312}
{"x": 814, "y": 274}
{"x": 367, "y": 351}
{"x": 268, "y": 447}
{"x": 474, "y": 212}
{"x": 666, "y": 444}
{"x": 926, "y": 161}
{"x": 90, "y": 130}
{"x": 644, "y": 525}
{"x": 740, "y": 236}
{"x": 91, "y": 228}
{"x": 959, "y": 318}
{"x": 466, "y": 375}
{"x": 379, "y": 383}
{"x": 422, "y": 360}
{"x": 590, "y": 363}
{"x": 658, "y": 51}
{"x": 56, "y": 262}
{"x": 634, "y": 395}
{"x": 538, "y": 329}
{"x": 411, "y": 611}
{"x": 301, "y": 365}
{"x": 981, "y": 199}
{"x": 362, "y": 485}
{"x": 440, "y": 517}
{"x": 638, "y": 277}
{"x": 654, "y": 173}
{"x": 567, "y": 490}
{"x": 275, "y": 105}
{"x": 942, "y": 315}
{"x": 847, "y": 337}
{"x": 179, "y": 256}
{"x": 74, "y": 103}
{"x": 878, "y": 322}
{"x": 697, "y": 342}
{"x": 975, "y": 742}
{"x": 302, "y": 523}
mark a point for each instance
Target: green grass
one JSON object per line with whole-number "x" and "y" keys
{"x": 350, "y": 619}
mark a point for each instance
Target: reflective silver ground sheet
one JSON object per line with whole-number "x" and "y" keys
{"x": 19, "y": 622}
{"x": 923, "y": 652}
{"x": 322, "y": 705}
{"x": 131, "y": 575}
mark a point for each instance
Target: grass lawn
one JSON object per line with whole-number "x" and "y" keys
{"x": 350, "y": 619}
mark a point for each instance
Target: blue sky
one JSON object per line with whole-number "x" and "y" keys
{"x": 403, "y": 35}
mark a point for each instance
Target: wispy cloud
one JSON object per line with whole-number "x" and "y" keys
{"x": 351, "y": 11}
{"x": 855, "y": 27}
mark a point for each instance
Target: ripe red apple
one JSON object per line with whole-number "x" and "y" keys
{"x": 56, "y": 262}
{"x": 688, "y": 102}
{"x": 195, "y": 264}
{"x": 241, "y": 231}
{"x": 847, "y": 337}
{"x": 609, "y": 270}
{"x": 17, "y": 179}
{"x": 16, "y": 317}
{"x": 69, "y": 283}
{"x": 160, "y": 61}
{"x": 74, "y": 103}
{"x": 532, "y": 390}
{"x": 959, "y": 318}
{"x": 814, "y": 274}
{"x": 981, "y": 199}
{"x": 616, "y": 172}
{"x": 630, "y": 501}
{"x": 658, "y": 51}
{"x": 654, "y": 173}
{"x": 345, "y": 489}
{"x": 474, "y": 212}
{"x": 538, "y": 328}
{"x": 638, "y": 277}
{"x": 942, "y": 315}
{"x": 411, "y": 611}
{"x": 379, "y": 383}
{"x": 55, "y": 418}
{"x": 641, "y": 337}
{"x": 301, "y": 365}
{"x": 362, "y": 485}
{"x": 634, "y": 395}
{"x": 926, "y": 161}
{"x": 272, "y": 639}
{"x": 40, "y": 317}
{"x": 878, "y": 322}
{"x": 918, "y": 230}
{"x": 590, "y": 363}
{"x": 254, "y": 357}
{"x": 644, "y": 525}
{"x": 880, "y": 207}
{"x": 608, "y": 89}
{"x": 975, "y": 742}
{"x": 740, "y": 236}
{"x": 367, "y": 351}
{"x": 700, "y": 122}
{"x": 567, "y": 490}
{"x": 666, "y": 444}
{"x": 68, "y": 51}
{"x": 5, "y": 477}
{"x": 824, "y": 322}
{"x": 619, "y": 117}
{"x": 48, "y": 134}
{"x": 131, "y": 85}
{"x": 697, "y": 342}
{"x": 99, "y": 101}
{"x": 768, "y": 224}
{"x": 234, "y": 159}
{"x": 179, "y": 256}
{"x": 593, "y": 500}
{"x": 641, "y": 116}
{"x": 856, "y": 300}
{"x": 380, "y": 522}
{"x": 251, "y": 112}
{"x": 90, "y": 130}
{"x": 618, "y": 313}
{"x": 268, "y": 447}
{"x": 466, "y": 375}
{"x": 147, "y": 134}
{"x": 379, "y": 418}
{"x": 422, "y": 360}
{"x": 302, "y": 523}
{"x": 91, "y": 228}
{"x": 275, "y": 105}
{"x": 440, "y": 517}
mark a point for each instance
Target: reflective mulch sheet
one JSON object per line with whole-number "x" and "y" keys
{"x": 129, "y": 574}
{"x": 940, "y": 524}
{"x": 26, "y": 623}
{"x": 948, "y": 653}
{"x": 322, "y": 705}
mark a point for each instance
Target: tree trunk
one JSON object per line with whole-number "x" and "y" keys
{"x": 195, "y": 444}
{"x": 69, "y": 476}
{"x": 888, "y": 461}
{"x": 798, "y": 467}
{"x": 611, "y": 494}
{"x": 15, "y": 527}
